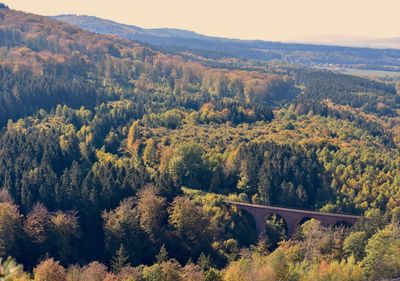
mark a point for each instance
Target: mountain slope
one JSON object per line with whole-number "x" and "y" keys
{"x": 73, "y": 109}
{"x": 34, "y": 46}
{"x": 103, "y": 26}
{"x": 177, "y": 41}
{"x": 115, "y": 152}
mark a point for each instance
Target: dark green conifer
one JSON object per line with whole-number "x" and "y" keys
{"x": 120, "y": 259}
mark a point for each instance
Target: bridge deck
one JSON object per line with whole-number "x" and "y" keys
{"x": 303, "y": 212}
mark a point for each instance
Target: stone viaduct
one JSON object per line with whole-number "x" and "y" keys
{"x": 292, "y": 217}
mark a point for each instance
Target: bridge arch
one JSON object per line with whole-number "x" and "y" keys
{"x": 306, "y": 219}
{"x": 303, "y": 220}
{"x": 250, "y": 218}
{"x": 278, "y": 223}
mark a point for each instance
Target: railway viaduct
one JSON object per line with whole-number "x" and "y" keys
{"x": 292, "y": 217}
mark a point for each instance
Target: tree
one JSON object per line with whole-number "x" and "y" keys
{"x": 187, "y": 166}
{"x": 381, "y": 259}
{"x": 212, "y": 275}
{"x": 316, "y": 239}
{"x": 166, "y": 271}
{"x": 134, "y": 136}
{"x": 65, "y": 234}
{"x": 255, "y": 268}
{"x": 150, "y": 152}
{"x": 162, "y": 255}
{"x": 396, "y": 214}
{"x": 49, "y": 270}
{"x": 153, "y": 273}
{"x": 171, "y": 271}
{"x": 334, "y": 270}
{"x": 355, "y": 244}
{"x": 122, "y": 226}
{"x": 120, "y": 259}
{"x": 94, "y": 271}
{"x": 172, "y": 118}
{"x": 192, "y": 272}
{"x": 204, "y": 262}
{"x": 152, "y": 211}
{"x": 191, "y": 224}
{"x": 5, "y": 196}
{"x": 10, "y": 270}
{"x": 38, "y": 227}
{"x": 74, "y": 273}
{"x": 10, "y": 230}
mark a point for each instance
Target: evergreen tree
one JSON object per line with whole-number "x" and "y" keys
{"x": 204, "y": 262}
{"x": 120, "y": 259}
{"x": 162, "y": 255}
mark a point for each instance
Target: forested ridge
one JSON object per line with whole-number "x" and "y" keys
{"x": 116, "y": 159}
{"x": 182, "y": 41}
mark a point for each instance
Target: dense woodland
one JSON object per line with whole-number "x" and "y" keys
{"x": 179, "y": 41}
{"x": 116, "y": 159}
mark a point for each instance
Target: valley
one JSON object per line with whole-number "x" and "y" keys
{"x": 119, "y": 153}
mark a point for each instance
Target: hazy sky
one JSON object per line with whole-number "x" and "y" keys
{"x": 247, "y": 19}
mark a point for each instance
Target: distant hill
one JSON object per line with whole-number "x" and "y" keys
{"x": 98, "y": 25}
{"x": 178, "y": 41}
{"x": 350, "y": 41}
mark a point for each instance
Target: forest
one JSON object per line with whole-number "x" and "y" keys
{"x": 180, "y": 41}
{"x": 116, "y": 160}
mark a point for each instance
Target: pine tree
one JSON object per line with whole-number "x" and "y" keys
{"x": 120, "y": 259}
{"x": 189, "y": 261}
{"x": 162, "y": 255}
{"x": 204, "y": 262}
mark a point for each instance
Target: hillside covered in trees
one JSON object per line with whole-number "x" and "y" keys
{"x": 181, "y": 41}
{"x": 116, "y": 159}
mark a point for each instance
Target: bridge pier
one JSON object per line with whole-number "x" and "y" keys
{"x": 292, "y": 223}
{"x": 260, "y": 218}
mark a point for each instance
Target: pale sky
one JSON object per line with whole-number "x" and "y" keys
{"x": 246, "y": 19}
